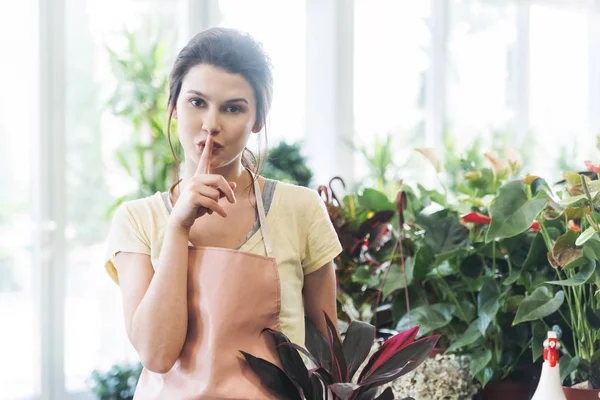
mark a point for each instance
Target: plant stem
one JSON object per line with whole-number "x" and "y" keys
{"x": 451, "y": 294}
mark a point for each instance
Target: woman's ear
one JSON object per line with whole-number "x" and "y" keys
{"x": 174, "y": 114}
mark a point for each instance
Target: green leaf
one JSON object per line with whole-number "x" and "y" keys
{"x": 575, "y": 200}
{"x": 514, "y": 276}
{"x": 374, "y": 200}
{"x": 488, "y": 304}
{"x": 443, "y": 232}
{"x": 567, "y": 366}
{"x": 434, "y": 195}
{"x": 469, "y": 337}
{"x": 472, "y": 266}
{"x": 396, "y": 279}
{"x": 512, "y": 212}
{"x": 485, "y": 376}
{"x": 580, "y": 277}
{"x": 585, "y": 236}
{"x": 537, "y": 252}
{"x": 591, "y": 249}
{"x": 424, "y": 262}
{"x": 538, "y": 305}
{"x": 539, "y": 333}
{"x": 479, "y": 360}
{"x": 428, "y": 317}
{"x": 469, "y": 309}
{"x": 363, "y": 276}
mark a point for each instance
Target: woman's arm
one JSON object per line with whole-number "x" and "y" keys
{"x": 319, "y": 294}
{"x": 155, "y": 302}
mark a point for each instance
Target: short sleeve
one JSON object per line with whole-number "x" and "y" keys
{"x": 126, "y": 234}
{"x": 322, "y": 244}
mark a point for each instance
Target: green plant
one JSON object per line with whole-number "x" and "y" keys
{"x": 119, "y": 382}
{"x": 372, "y": 262}
{"x": 286, "y": 163}
{"x": 140, "y": 98}
{"x": 336, "y": 362}
{"x": 567, "y": 296}
{"x": 463, "y": 284}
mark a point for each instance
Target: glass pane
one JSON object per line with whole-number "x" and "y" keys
{"x": 560, "y": 80}
{"x": 391, "y": 62}
{"x": 481, "y": 48}
{"x": 280, "y": 26}
{"x": 95, "y": 335}
{"x": 19, "y": 335}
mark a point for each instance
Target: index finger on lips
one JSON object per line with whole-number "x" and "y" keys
{"x": 205, "y": 157}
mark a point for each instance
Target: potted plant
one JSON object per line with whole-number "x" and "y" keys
{"x": 567, "y": 297}
{"x": 333, "y": 363}
{"x": 466, "y": 283}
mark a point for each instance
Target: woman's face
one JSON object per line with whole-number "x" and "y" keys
{"x": 213, "y": 101}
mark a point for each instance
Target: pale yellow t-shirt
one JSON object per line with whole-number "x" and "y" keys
{"x": 302, "y": 237}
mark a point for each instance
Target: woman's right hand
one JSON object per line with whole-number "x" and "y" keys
{"x": 202, "y": 192}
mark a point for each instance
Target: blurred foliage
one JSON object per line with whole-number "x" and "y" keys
{"x": 118, "y": 383}
{"x": 140, "y": 98}
{"x": 287, "y": 164}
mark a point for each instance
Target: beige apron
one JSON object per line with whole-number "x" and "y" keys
{"x": 232, "y": 297}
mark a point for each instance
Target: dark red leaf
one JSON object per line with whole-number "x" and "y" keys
{"x": 317, "y": 345}
{"x": 273, "y": 378}
{"x": 340, "y": 369}
{"x": 291, "y": 361}
{"x": 357, "y": 345}
{"x": 389, "y": 348}
{"x": 402, "y": 362}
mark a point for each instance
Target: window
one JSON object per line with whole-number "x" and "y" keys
{"x": 94, "y": 330}
{"x": 18, "y": 296}
{"x": 561, "y": 136}
{"x": 481, "y": 46}
{"x": 391, "y": 62}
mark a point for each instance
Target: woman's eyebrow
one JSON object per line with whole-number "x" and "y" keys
{"x": 196, "y": 92}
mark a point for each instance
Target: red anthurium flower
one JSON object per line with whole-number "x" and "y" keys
{"x": 591, "y": 167}
{"x": 476, "y": 218}
{"x": 573, "y": 226}
{"x": 535, "y": 226}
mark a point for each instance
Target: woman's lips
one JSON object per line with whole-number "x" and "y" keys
{"x": 215, "y": 146}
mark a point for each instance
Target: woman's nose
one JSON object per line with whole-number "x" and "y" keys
{"x": 211, "y": 122}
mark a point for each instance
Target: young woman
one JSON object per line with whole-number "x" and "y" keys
{"x": 205, "y": 267}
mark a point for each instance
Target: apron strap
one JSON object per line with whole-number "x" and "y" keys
{"x": 261, "y": 216}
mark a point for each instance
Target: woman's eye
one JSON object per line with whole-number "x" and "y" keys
{"x": 196, "y": 102}
{"x": 233, "y": 109}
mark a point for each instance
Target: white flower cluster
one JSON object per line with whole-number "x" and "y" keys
{"x": 445, "y": 377}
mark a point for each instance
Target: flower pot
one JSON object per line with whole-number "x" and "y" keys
{"x": 581, "y": 394}
{"x": 507, "y": 390}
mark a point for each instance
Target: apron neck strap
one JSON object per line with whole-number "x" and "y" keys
{"x": 261, "y": 215}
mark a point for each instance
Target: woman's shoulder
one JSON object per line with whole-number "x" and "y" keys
{"x": 301, "y": 199}
{"x": 150, "y": 207}
{"x": 300, "y": 193}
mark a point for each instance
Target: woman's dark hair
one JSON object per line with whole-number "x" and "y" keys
{"x": 237, "y": 53}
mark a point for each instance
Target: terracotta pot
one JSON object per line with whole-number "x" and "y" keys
{"x": 581, "y": 394}
{"x": 507, "y": 390}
